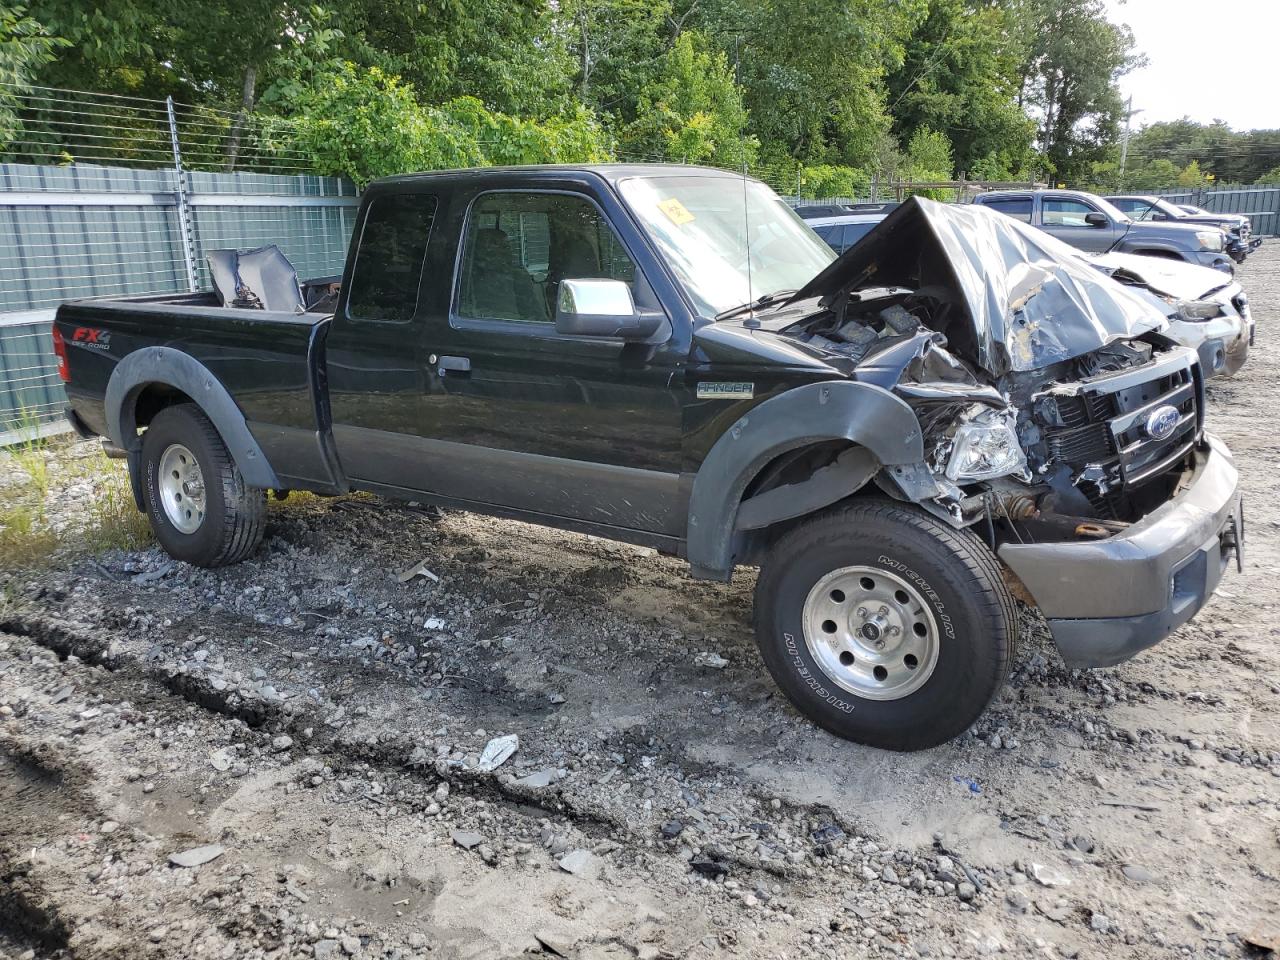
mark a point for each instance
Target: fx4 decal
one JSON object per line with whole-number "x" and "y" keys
{"x": 94, "y": 338}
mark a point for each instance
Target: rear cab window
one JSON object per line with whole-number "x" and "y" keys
{"x": 389, "y": 258}
{"x": 1017, "y": 207}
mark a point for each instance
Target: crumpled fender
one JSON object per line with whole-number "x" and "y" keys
{"x": 837, "y": 410}
{"x": 173, "y": 368}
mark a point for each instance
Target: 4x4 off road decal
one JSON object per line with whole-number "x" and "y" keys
{"x": 727, "y": 390}
{"x": 92, "y": 337}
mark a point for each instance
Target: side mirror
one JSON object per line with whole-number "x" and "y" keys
{"x": 1159, "y": 216}
{"x": 1096, "y": 219}
{"x": 602, "y": 308}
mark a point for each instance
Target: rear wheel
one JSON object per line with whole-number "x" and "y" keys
{"x": 200, "y": 509}
{"x": 885, "y": 625}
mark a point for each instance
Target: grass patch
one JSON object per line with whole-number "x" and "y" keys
{"x": 59, "y": 499}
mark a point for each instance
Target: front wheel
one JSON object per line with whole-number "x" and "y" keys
{"x": 200, "y": 509}
{"x": 885, "y": 625}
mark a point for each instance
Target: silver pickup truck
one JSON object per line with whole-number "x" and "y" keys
{"x": 1090, "y": 223}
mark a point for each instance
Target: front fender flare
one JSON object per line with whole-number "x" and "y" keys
{"x": 839, "y": 410}
{"x": 173, "y": 368}
{"x": 1132, "y": 245}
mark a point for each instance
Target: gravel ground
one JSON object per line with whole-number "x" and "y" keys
{"x": 285, "y": 758}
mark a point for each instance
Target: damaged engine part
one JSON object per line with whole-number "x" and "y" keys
{"x": 1023, "y": 367}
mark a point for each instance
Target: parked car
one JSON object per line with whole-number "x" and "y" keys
{"x": 1207, "y": 311}
{"x": 841, "y": 233}
{"x": 823, "y": 211}
{"x": 1206, "y": 314}
{"x": 1236, "y": 226}
{"x": 816, "y": 211}
{"x": 1090, "y": 223}
{"x": 666, "y": 355}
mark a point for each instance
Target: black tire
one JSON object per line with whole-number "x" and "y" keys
{"x": 234, "y": 515}
{"x": 955, "y": 574}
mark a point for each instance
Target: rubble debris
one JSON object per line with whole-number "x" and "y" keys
{"x": 467, "y": 839}
{"x": 710, "y": 659}
{"x": 498, "y": 751}
{"x": 419, "y": 569}
{"x": 197, "y": 855}
{"x": 581, "y": 863}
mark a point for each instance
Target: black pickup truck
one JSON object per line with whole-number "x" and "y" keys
{"x": 904, "y": 439}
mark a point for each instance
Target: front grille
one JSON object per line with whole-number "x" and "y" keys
{"x": 1085, "y": 444}
{"x": 1106, "y": 420}
{"x": 1084, "y": 409}
{"x": 1136, "y": 396}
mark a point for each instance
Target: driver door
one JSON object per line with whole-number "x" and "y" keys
{"x": 523, "y": 417}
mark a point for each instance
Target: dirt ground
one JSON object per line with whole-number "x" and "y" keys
{"x": 310, "y": 727}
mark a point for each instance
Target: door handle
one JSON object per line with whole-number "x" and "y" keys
{"x": 454, "y": 365}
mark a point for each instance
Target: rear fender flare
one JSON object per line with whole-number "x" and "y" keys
{"x": 839, "y": 410}
{"x": 168, "y": 367}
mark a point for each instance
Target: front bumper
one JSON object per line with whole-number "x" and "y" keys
{"x": 1221, "y": 343}
{"x": 1106, "y": 600}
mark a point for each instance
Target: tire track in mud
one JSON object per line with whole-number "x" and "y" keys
{"x": 398, "y": 756}
{"x": 42, "y": 923}
{"x": 395, "y": 755}
{"x": 41, "y": 795}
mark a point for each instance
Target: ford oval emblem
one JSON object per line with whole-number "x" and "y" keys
{"x": 1161, "y": 422}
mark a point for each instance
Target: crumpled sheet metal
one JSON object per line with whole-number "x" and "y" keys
{"x": 1030, "y": 299}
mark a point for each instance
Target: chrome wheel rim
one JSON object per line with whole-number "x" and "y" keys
{"x": 871, "y": 633}
{"x": 181, "y": 486}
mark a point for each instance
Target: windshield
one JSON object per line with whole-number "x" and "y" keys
{"x": 1151, "y": 208}
{"x": 1110, "y": 209}
{"x": 700, "y": 225}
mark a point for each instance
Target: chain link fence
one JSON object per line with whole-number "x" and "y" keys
{"x": 115, "y": 196}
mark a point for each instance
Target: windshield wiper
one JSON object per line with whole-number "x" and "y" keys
{"x": 766, "y": 300}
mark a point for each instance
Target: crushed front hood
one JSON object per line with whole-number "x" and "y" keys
{"x": 1174, "y": 278}
{"x": 1025, "y": 299}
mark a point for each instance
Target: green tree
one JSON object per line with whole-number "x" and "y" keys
{"x": 1073, "y": 61}
{"x": 115, "y": 46}
{"x": 362, "y": 123}
{"x": 812, "y": 71}
{"x": 960, "y": 75}
{"x": 929, "y": 155}
{"x": 824, "y": 180}
{"x": 692, "y": 112}
{"x": 1191, "y": 175}
{"x": 508, "y": 53}
{"x": 618, "y": 48}
{"x": 25, "y": 46}
{"x": 1231, "y": 156}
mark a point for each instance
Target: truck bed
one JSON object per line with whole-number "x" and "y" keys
{"x": 265, "y": 359}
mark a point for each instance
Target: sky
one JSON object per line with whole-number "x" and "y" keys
{"x": 1207, "y": 61}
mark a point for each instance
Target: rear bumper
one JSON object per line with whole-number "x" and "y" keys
{"x": 1106, "y": 600}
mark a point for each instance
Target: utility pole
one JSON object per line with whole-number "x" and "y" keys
{"x": 1124, "y": 142}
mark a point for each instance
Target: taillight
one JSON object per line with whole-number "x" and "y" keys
{"x": 60, "y": 351}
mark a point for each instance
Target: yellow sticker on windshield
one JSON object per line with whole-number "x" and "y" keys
{"x": 675, "y": 211}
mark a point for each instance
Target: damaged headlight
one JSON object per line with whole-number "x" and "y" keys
{"x": 1197, "y": 311}
{"x": 984, "y": 448}
{"x": 1210, "y": 239}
